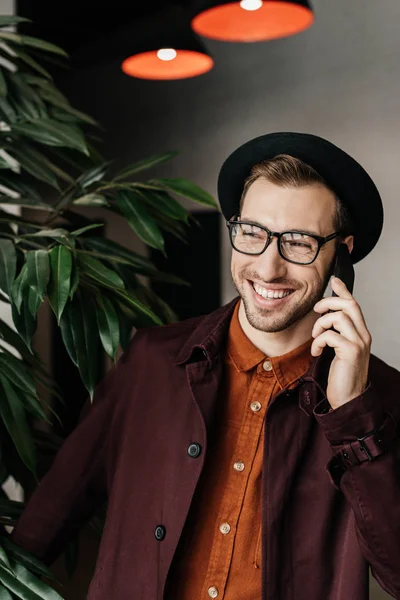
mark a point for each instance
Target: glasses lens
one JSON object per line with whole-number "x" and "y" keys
{"x": 248, "y": 238}
{"x": 299, "y": 247}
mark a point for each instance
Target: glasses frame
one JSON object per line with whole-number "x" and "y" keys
{"x": 320, "y": 240}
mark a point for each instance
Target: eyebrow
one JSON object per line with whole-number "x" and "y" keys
{"x": 297, "y": 230}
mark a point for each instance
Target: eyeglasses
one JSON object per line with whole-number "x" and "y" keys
{"x": 298, "y": 247}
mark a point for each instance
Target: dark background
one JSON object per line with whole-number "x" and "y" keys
{"x": 93, "y": 35}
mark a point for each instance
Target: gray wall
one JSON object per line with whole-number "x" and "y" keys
{"x": 340, "y": 79}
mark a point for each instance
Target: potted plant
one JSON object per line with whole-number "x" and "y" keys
{"x": 91, "y": 283}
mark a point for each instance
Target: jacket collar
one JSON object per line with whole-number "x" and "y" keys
{"x": 210, "y": 337}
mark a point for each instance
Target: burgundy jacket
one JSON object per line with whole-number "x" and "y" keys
{"x": 331, "y": 480}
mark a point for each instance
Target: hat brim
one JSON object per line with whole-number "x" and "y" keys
{"x": 344, "y": 175}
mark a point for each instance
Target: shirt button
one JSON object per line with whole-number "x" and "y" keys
{"x": 255, "y": 406}
{"x": 267, "y": 366}
{"x": 225, "y": 528}
{"x": 212, "y": 592}
{"x": 194, "y": 450}
{"x": 238, "y": 466}
{"x": 160, "y": 532}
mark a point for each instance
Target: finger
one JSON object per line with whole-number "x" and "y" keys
{"x": 341, "y": 322}
{"x": 340, "y": 288}
{"x": 351, "y": 308}
{"x": 330, "y": 338}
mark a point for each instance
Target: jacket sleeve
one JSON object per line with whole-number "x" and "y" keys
{"x": 76, "y": 484}
{"x": 367, "y": 472}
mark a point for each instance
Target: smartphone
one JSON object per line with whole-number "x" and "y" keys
{"x": 344, "y": 267}
{"x": 344, "y": 270}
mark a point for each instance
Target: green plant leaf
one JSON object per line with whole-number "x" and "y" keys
{"x": 93, "y": 175}
{"x": 38, "y": 267}
{"x": 96, "y": 270}
{"x": 52, "y": 133}
{"x": 38, "y": 171}
{"x": 61, "y": 107}
{"x": 5, "y": 594}
{"x": 24, "y": 152}
{"x": 34, "y": 301}
{"x": 17, "y": 553}
{"x": 80, "y": 336}
{"x": 139, "y": 307}
{"x": 33, "y": 405}
{"x": 86, "y": 228}
{"x": 67, "y": 333}
{"x": 3, "y": 85}
{"x": 8, "y": 265}
{"x": 187, "y": 189}
{"x": 25, "y": 99}
{"x": 26, "y": 202}
{"x": 31, "y": 62}
{"x": 164, "y": 203}
{"x": 6, "y": 20}
{"x": 76, "y": 115}
{"x": 107, "y": 320}
{"x": 60, "y": 279}
{"x": 26, "y": 585}
{"x": 142, "y": 265}
{"x": 173, "y": 226}
{"x": 12, "y": 412}
{"x": 91, "y": 200}
{"x": 106, "y": 257}
{"x": 24, "y": 322}
{"x": 12, "y": 338}
{"x": 14, "y": 369}
{"x": 4, "y": 559}
{"x": 7, "y": 111}
{"x": 158, "y": 304}
{"x": 147, "y": 163}
{"x": 29, "y": 191}
{"x": 27, "y": 40}
{"x": 131, "y": 206}
{"x": 51, "y": 233}
{"x": 74, "y": 280}
{"x": 19, "y": 287}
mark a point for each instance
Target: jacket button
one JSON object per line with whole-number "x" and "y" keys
{"x": 194, "y": 450}
{"x": 160, "y": 532}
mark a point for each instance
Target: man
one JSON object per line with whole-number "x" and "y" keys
{"x": 252, "y": 453}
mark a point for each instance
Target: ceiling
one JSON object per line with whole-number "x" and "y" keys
{"x": 77, "y": 25}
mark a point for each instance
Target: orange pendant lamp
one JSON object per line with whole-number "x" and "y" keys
{"x": 251, "y": 20}
{"x": 169, "y": 55}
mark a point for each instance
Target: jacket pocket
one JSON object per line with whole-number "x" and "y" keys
{"x": 258, "y": 550}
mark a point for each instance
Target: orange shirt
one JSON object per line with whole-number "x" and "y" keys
{"x": 219, "y": 553}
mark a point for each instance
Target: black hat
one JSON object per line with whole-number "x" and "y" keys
{"x": 345, "y": 176}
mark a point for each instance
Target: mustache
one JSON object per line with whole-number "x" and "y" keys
{"x": 252, "y": 275}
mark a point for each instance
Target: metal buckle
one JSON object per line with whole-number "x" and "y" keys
{"x": 364, "y": 448}
{"x": 376, "y": 433}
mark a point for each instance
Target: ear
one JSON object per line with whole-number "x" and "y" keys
{"x": 349, "y": 241}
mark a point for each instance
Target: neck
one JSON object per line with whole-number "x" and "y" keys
{"x": 281, "y": 342}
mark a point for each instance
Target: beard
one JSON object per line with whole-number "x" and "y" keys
{"x": 273, "y": 320}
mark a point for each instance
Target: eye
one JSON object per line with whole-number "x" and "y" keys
{"x": 298, "y": 244}
{"x": 251, "y": 231}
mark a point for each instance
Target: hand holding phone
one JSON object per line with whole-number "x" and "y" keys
{"x": 344, "y": 267}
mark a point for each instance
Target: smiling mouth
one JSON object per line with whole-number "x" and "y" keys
{"x": 270, "y": 294}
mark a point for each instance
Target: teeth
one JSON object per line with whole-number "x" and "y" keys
{"x": 269, "y": 293}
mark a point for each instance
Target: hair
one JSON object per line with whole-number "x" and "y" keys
{"x": 288, "y": 171}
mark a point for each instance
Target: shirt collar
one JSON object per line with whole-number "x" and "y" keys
{"x": 245, "y": 355}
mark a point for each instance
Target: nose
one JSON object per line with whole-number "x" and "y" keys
{"x": 270, "y": 263}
